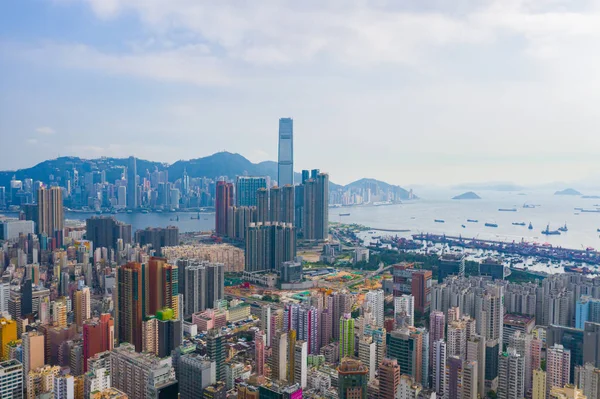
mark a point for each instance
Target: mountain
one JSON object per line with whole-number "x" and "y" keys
{"x": 567, "y": 191}
{"x": 469, "y": 195}
{"x": 213, "y": 166}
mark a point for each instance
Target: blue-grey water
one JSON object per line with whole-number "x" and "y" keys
{"x": 418, "y": 216}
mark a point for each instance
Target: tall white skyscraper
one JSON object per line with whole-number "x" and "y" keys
{"x": 301, "y": 363}
{"x": 375, "y": 300}
{"x": 439, "y": 367}
{"x": 367, "y": 353}
{"x": 285, "y": 172}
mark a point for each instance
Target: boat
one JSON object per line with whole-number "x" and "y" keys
{"x": 549, "y": 232}
{"x": 472, "y": 220}
{"x": 590, "y": 210}
{"x": 507, "y": 209}
{"x": 530, "y": 226}
{"x": 563, "y": 228}
{"x": 144, "y": 210}
{"x": 463, "y": 226}
{"x": 518, "y": 223}
{"x": 528, "y": 206}
{"x": 343, "y": 214}
{"x": 491, "y": 225}
{"x": 439, "y": 221}
{"x": 598, "y": 230}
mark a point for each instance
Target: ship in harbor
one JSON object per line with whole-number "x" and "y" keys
{"x": 518, "y": 224}
{"x": 491, "y": 225}
{"x": 343, "y": 214}
{"x": 549, "y": 232}
{"x": 563, "y": 228}
{"x": 528, "y": 206}
{"x": 507, "y": 209}
{"x": 530, "y": 226}
{"x": 439, "y": 221}
{"x": 472, "y": 220}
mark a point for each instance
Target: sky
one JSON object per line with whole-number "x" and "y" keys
{"x": 421, "y": 92}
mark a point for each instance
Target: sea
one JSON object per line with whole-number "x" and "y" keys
{"x": 418, "y": 216}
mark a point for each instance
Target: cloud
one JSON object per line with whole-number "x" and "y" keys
{"x": 32, "y": 141}
{"x": 45, "y": 130}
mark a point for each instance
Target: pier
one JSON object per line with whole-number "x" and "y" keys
{"x": 522, "y": 248}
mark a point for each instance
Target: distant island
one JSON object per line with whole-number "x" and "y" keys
{"x": 590, "y": 196}
{"x": 469, "y": 195}
{"x": 567, "y": 191}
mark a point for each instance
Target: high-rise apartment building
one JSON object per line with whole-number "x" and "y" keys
{"x": 539, "y": 384}
{"x": 587, "y": 378}
{"x": 346, "y": 336}
{"x": 300, "y": 363}
{"x": 130, "y": 303}
{"x": 50, "y": 211}
{"x": 389, "y": 378}
{"x": 511, "y": 367}
{"x": 367, "y": 354}
{"x": 132, "y": 190}
{"x": 406, "y": 346}
{"x": 262, "y": 205}
{"x": 469, "y": 380}
{"x": 142, "y": 375}
{"x": 195, "y": 374}
{"x": 98, "y": 336}
{"x": 202, "y": 284}
{"x": 215, "y": 349}
{"x": 476, "y": 353}
{"x": 158, "y": 237}
{"x": 223, "y": 200}
{"x": 438, "y": 367}
{"x": 288, "y": 204}
{"x": 268, "y": 245}
{"x": 569, "y": 391}
{"x": 163, "y": 286}
{"x": 11, "y": 379}
{"x": 404, "y": 311}
{"x": 275, "y": 204}
{"x": 246, "y": 188}
{"x": 375, "y": 300}
{"x": 451, "y": 265}
{"x": 278, "y": 359}
{"x": 8, "y": 333}
{"x": 285, "y": 165}
{"x": 315, "y": 217}
{"x": 415, "y": 282}
{"x": 558, "y": 371}
{"x": 32, "y": 344}
{"x": 259, "y": 352}
{"x": 352, "y": 379}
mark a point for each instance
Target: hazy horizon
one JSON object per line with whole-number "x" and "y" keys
{"x": 418, "y": 93}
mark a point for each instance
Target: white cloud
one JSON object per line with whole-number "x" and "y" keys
{"x": 45, "y": 130}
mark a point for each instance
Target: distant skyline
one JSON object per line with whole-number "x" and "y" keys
{"x": 412, "y": 92}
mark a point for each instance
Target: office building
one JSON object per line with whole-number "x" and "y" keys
{"x": 291, "y": 272}
{"x": 33, "y": 345}
{"x": 346, "y": 336}
{"x": 285, "y": 164}
{"x": 269, "y": 245}
{"x": 195, "y": 374}
{"x": 158, "y": 237}
{"x": 558, "y": 366}
{"x": 142, "y": 375}
{"x": 11, "y": 379}
{"x": 406, "y": 346}
{"x": 492, "y": 268}
{"x": 223, "y": 200}
{"x": 105, "y": 232}
{"x": 246, "y": 188}
{"x": 132, "y": 190}
{"x": 389, "y": 378}
{"x": 352, "y": 379}
{"x": 11, "y": 229}
{"x": 215, "y": 349}
{"x": 415, "y": 282}
{"x": 587, "y": 378}
{"x": 539, "y": 384}
{"x": 130, "y": 303}
{"x": 569, "y": 391}
{"x": 511, "y": 381}
{"x": 470, "y": 380}
{"x": 51, "y": 217}
{"x": 451, "y": 265}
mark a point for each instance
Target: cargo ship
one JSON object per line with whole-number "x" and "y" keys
{"x": 439, "y": 221}
{"x": 491, "y": 225}
{"x": 343, "y": 214}
{"x": 518, "y": 223}
{"x": 472, "y": 220}
{"x": 507, "y": 209}
{"x": 549, "y": 232}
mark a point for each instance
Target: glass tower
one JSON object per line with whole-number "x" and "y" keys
{"x": 286, "y": 152}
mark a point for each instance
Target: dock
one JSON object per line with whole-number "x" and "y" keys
{"x": 522, "y": 248}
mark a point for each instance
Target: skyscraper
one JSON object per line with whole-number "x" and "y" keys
{"x": 285, "y": 172}
{"x": 246, "y": 189}
{"x": 275, "y": 204}
{"x": 288, "y": 204}
{"x": 259, "y": 352}
{"x": 300, "y": 363}
{"x": 130, "y": 303}
{"x": 278, "y": 359}
{"x": 215, "y": 348}
{"x": 352, "y": 379}
{"x": 223, "y": 200}
{"x": 539, "y": 384}
{"x": 195, "y": 374}
{"x": 163, "y": 286}
{"x": 511, "y": 367}
{"x": 201, "y": 283}
{"x": 262, "y": 205}
{"x": 587, "y": 378}
{"x": 389, "y": 378}
{"x": 269, "y": 245}
{"x": 98, "y": 336}
{"x": 11, "y": 379}
{"x": 375, "y": 299}
{"x": 439, "y": 367}
{"x": 158, "y": 237}
{"x": 106, "y": 231}
{"x": 346, "y": 336}
{"x": 50, "y": 211}
{"x": 132, "y": 199}
{"x": 315, "y": 216}
{"x": 406, "y": 346}
{"x": 367, "y": 353}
